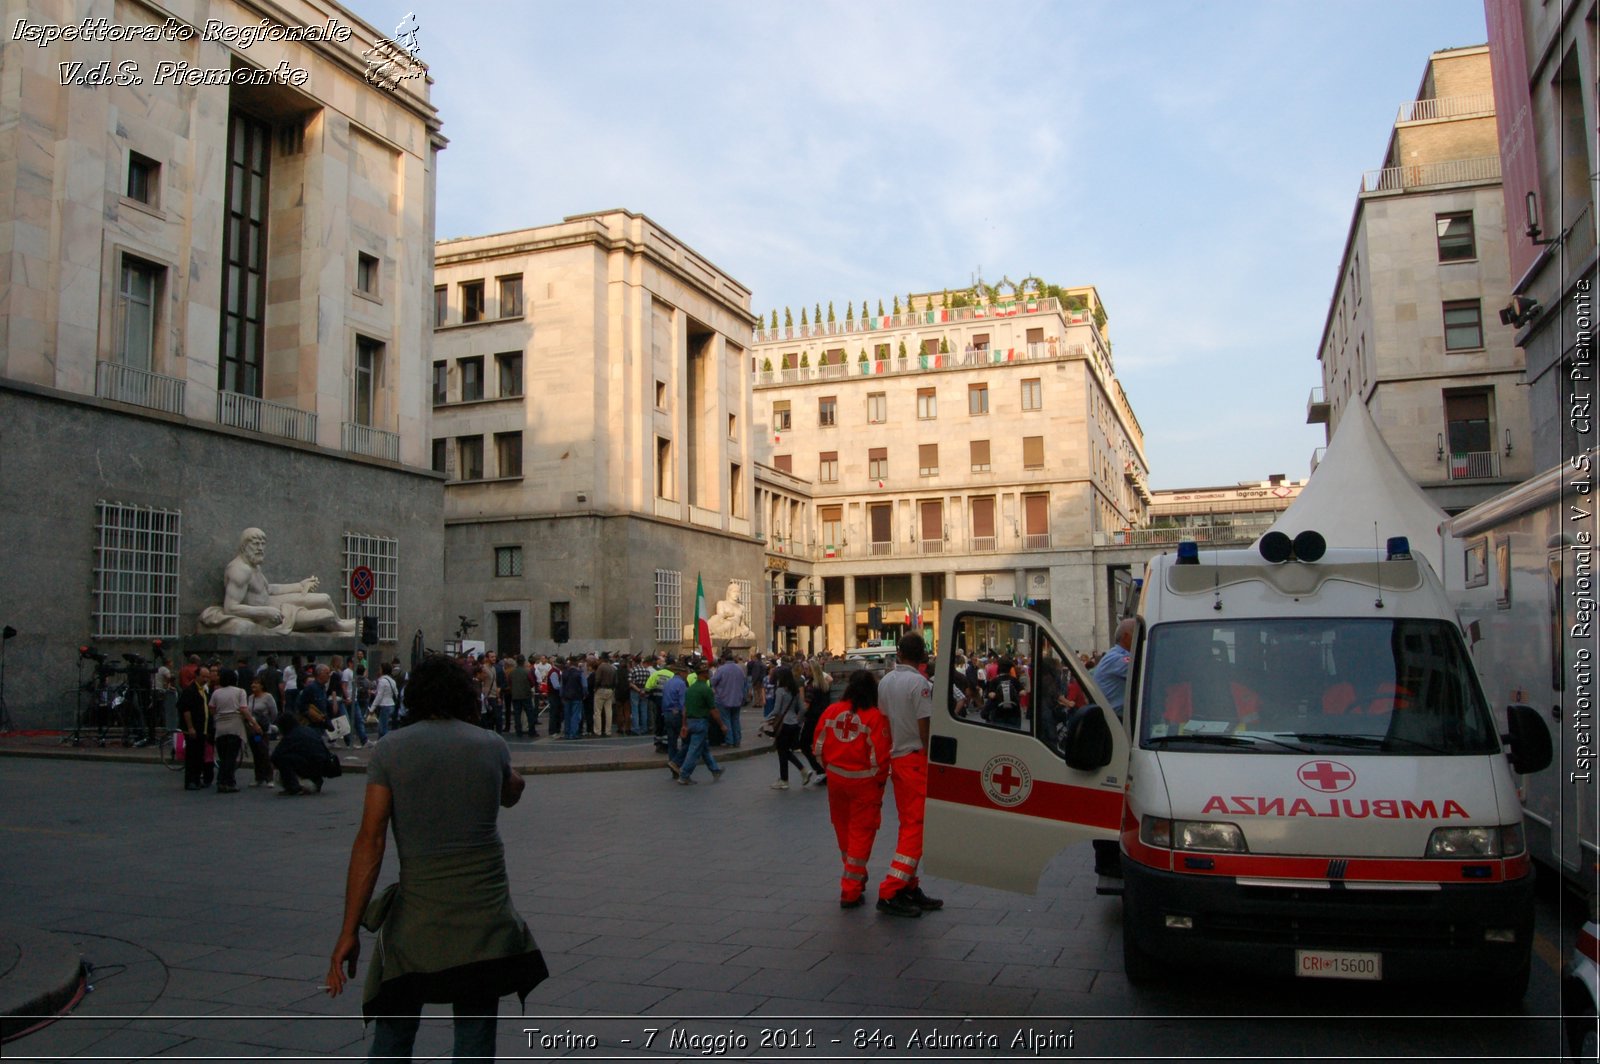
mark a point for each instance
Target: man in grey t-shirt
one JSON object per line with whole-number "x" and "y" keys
{"x": 906, "y": 697}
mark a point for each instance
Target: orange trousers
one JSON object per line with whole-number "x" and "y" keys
{"x": 909, "y": 772}
{"x": 856, "y": 807}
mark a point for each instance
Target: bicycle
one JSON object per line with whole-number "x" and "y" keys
{"x": 169, "y": 753}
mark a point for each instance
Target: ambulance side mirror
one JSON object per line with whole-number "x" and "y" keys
{"x": 1086, "y": 742}
{"x": 1528, "y": 738}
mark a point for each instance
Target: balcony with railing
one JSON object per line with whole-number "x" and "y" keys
{"x": 364, "y": 439}
{"x": 1318, "y": 410}
{"x": 917, "y": 318}
{"x": 138, "y": 387}
{"x": 1427, "y": 175}
{"x": 931, "y": 546}
{"x": 263, "y": 415}
{"x": 970, "y": 357}
{"x": 1473, "y": 465}
{"x": 1470, "y": 105}
{"x": 985, "y": 544}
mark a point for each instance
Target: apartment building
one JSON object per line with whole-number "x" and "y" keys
{"x": 591, "y": 401}
{"x": 975, "y": 446}
{"x": 1545, "y": 73}
{"x": 213, "y": 315}
{"x": 1412, "y": 329}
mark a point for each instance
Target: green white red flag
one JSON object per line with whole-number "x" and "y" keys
{"x": 702, "y": 619}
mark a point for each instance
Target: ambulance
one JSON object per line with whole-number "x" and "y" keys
{"x": 1305, "y": 781}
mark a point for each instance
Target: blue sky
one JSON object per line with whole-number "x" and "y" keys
{"x": 1197, "y": 162}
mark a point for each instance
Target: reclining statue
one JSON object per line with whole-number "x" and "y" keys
{"x": 252, "y": 606}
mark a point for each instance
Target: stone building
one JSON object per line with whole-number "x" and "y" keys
{"x": 215, "y": 253}
{"x": 590, "y": 410}
{"x": 975, "y": 447}
{"x": 1412, "y": 329}
{"x": 1545, "y": 75}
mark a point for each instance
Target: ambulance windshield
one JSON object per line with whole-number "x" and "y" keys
{"x": 1400, "y": 687}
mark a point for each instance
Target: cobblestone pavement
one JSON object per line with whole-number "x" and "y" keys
{"x": 698, "y": 913}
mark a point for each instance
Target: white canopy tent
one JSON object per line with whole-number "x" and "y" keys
{"x": 1359, "y": 495}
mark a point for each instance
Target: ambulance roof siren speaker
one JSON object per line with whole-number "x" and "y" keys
{"x": 1309, "y": 546}
{"x": 1276, "y": 547}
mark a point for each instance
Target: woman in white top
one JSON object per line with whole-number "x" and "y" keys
{"x": 229, "y": 710}
{"x": 263, "y": 714}
{"x": 384, "y": 698}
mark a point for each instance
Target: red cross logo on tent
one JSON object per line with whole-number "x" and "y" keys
{"x": 1329, "y": 776}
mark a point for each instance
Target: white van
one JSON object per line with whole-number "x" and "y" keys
{"x": 1307, "y": 780}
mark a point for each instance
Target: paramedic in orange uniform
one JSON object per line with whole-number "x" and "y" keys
{"x": 852, "y": 741}
{"x": 906, "y": 697}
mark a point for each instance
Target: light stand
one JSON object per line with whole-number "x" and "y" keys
{"x": 6, "y": 726}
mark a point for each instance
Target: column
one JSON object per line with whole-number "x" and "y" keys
{"x": 849, "y": 612}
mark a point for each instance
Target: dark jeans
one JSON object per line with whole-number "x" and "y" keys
{"x": 229, "y": 747}
{"x": 522, "y": 709}
{"x": 788, "y": 743}
{"x": 260, "y": 758}
{"x": 195, "y": 772}
{"x": 393, "y": 1036}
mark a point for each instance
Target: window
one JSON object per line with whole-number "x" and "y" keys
{"x": 930, "y": 514}
{"x": 927, "y": 459}
{"x": 980, "y": 341}
{"x": 1036, "y": 521}
{"x": 784, "y": 463}
{"x": 381, "y": 554}
{"x": 1468, "y": 437}
{"x": 880, "y": 352}
{"x": 927, "y": 404}
{"x": 877, "y": 408}
{"x": 1463, "y": 325}
{"x": 669, "y": 606}
{"x": 880, "y": 526}
{"x": 780, "y": 416}
{"x": 983, "y": 537}
{"x": 511, "y": 296}
{"x": 471, "y": 301}
{"x": 663, "y": 468}
{"x": 1457, "y": 241}
{"x": 469, "y": 457}
{"x": 980, "y": 456}
{"x": 136, "y": 571}
{"x": 367, "y": 274}
{"x": 1035, "y": 336}
{"x": 828, "y": 467}
{"x": 369, "y": 363}
{"x": 930, "y": 346}
{"x": 441, "y": 383}
{"x": 560, "y": 622}
{"x": 137, "y": 298}
{"x": 828, "y": 411}
{"x": 977, "y": 399}
{"x": 877, "y": 463}
{"x": 661, "y": 395}
{"x": 508, "y": 561}
{"x": 441, "y": 305}
{"x": 1033, "y": 452}
{"x": 733, "y": 426}
{"x": 832, "y": 518}
{"x": 143, "y": 179}
{"x": 471, "y": 378}
{"x": 736, "y": 489}
{"x": 244, "y": 257}
{"x": 1033, "y": 394}
{"x": 508, "y": 453}
{"x": 509, "y": 367}
{"x": 441, "y": 456}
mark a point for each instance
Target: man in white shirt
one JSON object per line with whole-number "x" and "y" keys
{"x": 906, "y": 697}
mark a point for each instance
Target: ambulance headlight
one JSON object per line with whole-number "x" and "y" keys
{"x": 1208, "y": 836}
{"x": 1199, "y": 835}
{"x": 1464, "y": 842}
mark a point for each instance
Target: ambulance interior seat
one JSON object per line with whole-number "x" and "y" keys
{"x": 1207, "y": 686}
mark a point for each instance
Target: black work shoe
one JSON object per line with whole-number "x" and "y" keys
{"x": 899, "y": 905}
{"x": 852, "y": 903}
{"x": 921, "y": 900}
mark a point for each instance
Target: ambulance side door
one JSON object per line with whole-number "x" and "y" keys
{"x": 1002, "y": 800}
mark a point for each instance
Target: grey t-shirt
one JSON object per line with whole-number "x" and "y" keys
{"x": 445, "y": 776}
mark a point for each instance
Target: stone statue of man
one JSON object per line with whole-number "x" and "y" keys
{"x": 728, "y": 621}
{"x": 250, "y": 604}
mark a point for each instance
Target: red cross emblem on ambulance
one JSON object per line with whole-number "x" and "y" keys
{"x": 1006, "y": 780}
{"x": 1328, "y": 776}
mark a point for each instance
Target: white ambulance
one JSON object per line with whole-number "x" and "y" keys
{"x": 1306, "y": 780}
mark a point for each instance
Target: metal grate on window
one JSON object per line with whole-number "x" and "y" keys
{"x": 669, "y": 606}
{"x": 508, "y": 561}
{"x": 381, "y": 554}
{"x": 136, "y": 571}
{"x": 747, "y": 602}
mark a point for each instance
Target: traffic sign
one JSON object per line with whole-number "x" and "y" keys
{"x": 361, "y": 583}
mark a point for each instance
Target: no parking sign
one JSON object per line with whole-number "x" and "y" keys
{"x": 361, "y": 583}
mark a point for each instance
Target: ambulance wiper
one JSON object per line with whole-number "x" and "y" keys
{"x": 1365, "y": 741}
{"x": 1212, "y": 738}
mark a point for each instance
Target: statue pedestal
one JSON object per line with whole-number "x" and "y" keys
{"x": 741, "y": 648}
{"x": 230, "y": 648}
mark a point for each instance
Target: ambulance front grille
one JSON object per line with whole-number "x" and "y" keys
{"x": 1333, "y": 933}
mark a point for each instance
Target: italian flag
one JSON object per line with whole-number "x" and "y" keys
{"x": 702, "y": 619}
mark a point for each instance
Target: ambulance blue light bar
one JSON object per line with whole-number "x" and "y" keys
{"x": 1399, "y": 548}
{"x": 1188, "y": 552}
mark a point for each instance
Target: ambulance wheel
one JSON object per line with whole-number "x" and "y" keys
{"x": 1140, "y": 966}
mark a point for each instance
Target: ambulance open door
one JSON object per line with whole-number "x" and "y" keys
{"x": 1002, "y": 799}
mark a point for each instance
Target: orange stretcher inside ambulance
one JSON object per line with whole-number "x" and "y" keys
{"x": 1306, "y": 780}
